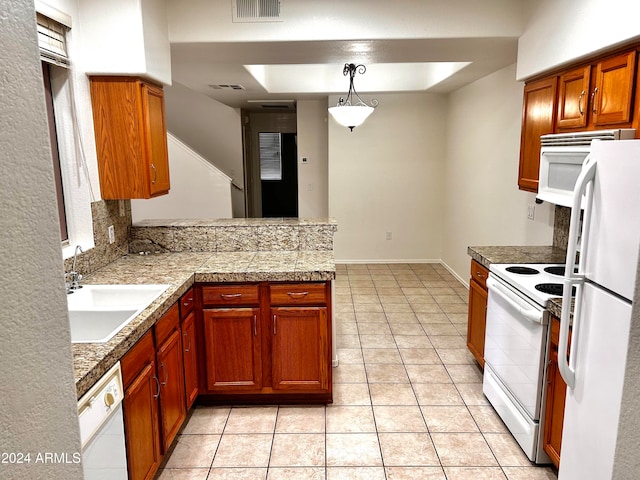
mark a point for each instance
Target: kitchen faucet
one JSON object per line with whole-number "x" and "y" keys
{"x": 73, "y": 276}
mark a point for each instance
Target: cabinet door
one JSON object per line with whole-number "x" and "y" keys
{"x": 156, "y": 136}
{"x": 301, "y": 356}
{"x": 538, "y": 115}
{"x": 477, "y": 320}
{"x": 613, "y": 94}
{"x": 555, "y": 400}
{"x": 172, "y": 400}
{"x": 573, "y": 98}
{"x": 142, "y": 427}
{"x": 190, "y": 358}
{"x": 233, "y": 349}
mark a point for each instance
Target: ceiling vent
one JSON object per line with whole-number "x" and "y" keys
{"x": 273, "y": 104}
{"x": 250, "y": 11}
{"x": 224, "y": 86}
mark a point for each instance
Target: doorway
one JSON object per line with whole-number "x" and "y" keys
{"x": 278, "y": 174}
{"x": 271, "y": 164}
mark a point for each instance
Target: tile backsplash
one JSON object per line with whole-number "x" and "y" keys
{"x": 105, "y": 213}
{"x": 561, "y": 227}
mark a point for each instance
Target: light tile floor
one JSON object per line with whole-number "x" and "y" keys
{"x": 408, "y": 400}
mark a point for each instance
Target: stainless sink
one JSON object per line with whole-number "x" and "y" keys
{"x": 98, "y": 312}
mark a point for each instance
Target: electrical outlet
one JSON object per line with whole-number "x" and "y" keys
{"x": 305, "y": 159}
{"x": 112, "y": 234}
{"x": 531, "y": 212}
{"x": 389, "y": 235}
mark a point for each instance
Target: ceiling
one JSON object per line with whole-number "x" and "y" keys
{"x": 303, "y": 57}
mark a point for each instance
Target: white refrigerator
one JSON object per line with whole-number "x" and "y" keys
{"x": 608, "y": 240}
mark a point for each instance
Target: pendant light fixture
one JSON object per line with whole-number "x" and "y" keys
{"x": 346, "y": 112}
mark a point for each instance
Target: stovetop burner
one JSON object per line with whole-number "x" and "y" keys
{"x": 550, "y": 288}
{"x": 553, "y": 289}
{"x": 555, "y": 270}
{"x": 522, "y": 270}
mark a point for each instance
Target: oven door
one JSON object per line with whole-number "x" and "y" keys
{"x": 515, "y": 344}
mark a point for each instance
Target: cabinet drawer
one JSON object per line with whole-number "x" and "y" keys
{"x": 479, "y": 273}
{"x": 137, "y": 358}
{"x": 298, "y": 294}
{"x": 169, "y": 322}
{"x": 230, "y": 295}
{"x": 187, "y": 302}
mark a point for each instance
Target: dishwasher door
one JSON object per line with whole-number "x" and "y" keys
{"x": 101, "y": 420}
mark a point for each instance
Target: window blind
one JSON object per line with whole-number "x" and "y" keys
{"x": 270, "y": 156}
{"x": 52, "y": 41}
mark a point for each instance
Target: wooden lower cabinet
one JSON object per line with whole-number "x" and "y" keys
{"x": 232, "y": 349}
{"x": 477, "y": 315}
{"x": 266, "y": 341}
{"x": 300, "y": 348}
{"x": 555, "y": 398}
{"x": 190, "y": 358}
{"x": 173, "y": 408}
{"x": 140, "y": 407}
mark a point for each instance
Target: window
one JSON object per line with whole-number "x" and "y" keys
{"x": 270, "y": 156}
{"x": 72, "y": 181}
{"x": 55, "y": 154}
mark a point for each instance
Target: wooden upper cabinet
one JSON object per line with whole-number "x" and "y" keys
{"x": 538, "y": 118}
{"x": 573, "y": 101}
{"x": 613, "y": 94}
{"x": 131, "y": 137}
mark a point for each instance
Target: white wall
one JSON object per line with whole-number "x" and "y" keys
{"x": 208, "y": 127}
{"x": 483, "y": 205}
{"x": 312, "y": 144}
{"x": 198, "y": 189}
{"x": 386, "y": 176}
{"x": 559, "y": 32}
{"x": 206, "y": 20}
{"x": 128, "y": 37}
{"x": 38, "y": 409}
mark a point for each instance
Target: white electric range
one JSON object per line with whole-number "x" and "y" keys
{"x": 516, "y": 347}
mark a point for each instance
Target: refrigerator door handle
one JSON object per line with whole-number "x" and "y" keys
{"x": 584, "y": 183}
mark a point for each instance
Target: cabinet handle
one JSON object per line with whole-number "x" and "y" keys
{"x": 480, "y": 275}
{"x": 582, "y": 94}
{"x": 186, "y": 304}
{"x": 155, "y": 174}
{"x": 188, "y": 349}
{"x": 274, "y": 325}
{"x": 158, "y": 385}
{"x": 593, "y": 100}
{"x": 166, "y": 375}
{"x": 230, "y": 296}
{"x": 297, "y": 294}
{"x": 255, "y": 326}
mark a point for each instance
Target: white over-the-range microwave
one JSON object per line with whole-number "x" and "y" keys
{"x": 561, "y": 158}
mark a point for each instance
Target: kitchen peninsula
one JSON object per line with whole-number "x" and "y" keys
{"x": 259, "y": 252}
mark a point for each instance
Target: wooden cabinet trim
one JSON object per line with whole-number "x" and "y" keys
{"x": 168, "y": 323}
{"x": 141, "y": 354}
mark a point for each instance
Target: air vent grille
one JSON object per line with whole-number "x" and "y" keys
{"x": 249, "y": 11}
{"x": 225, "y": 86}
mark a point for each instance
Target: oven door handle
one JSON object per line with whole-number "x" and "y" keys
{"x": 533, "y": 315}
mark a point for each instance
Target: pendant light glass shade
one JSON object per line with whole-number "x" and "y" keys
{"x": 346, "y": 113}
{"x": 350, "y": 115}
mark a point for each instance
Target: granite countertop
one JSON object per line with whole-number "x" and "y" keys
{"x": 527, "y": 254}
{"x": 180, "y": 271}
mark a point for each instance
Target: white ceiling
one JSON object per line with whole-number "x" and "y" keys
{"x": 397, "y": 51}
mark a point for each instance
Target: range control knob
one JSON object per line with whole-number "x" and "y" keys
{"x": 109, "y": 399}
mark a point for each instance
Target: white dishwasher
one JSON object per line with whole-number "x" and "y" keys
{"x": 102, "y": 429}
